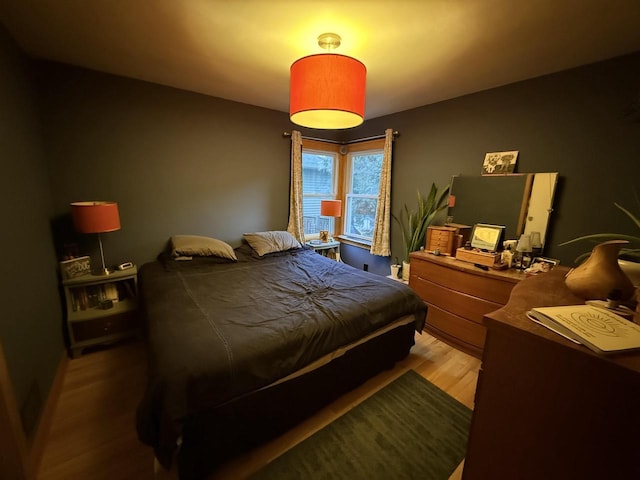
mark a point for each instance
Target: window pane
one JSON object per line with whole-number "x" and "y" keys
{"x": 361, "y": 216}
{"x": 318, "y": 183}
{"x": 312, "y": 221}
{"x": 317, "y": 173}
{"x": 365, "y": 173}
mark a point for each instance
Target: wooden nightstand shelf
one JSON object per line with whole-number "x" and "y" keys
{"x": 101, "y": 309}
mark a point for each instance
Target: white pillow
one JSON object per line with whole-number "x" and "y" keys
{"x": 271, "y": 242}
{"x": 196, "y": 245}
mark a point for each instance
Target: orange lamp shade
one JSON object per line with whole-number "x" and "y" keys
{"x": 327, "y": 91}
{"x": 95, "y": 217}
{"x": 331, "y": 208}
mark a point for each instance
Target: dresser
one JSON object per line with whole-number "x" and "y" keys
{"x": 459, "y": 294}
{"x": 546, "y": 408}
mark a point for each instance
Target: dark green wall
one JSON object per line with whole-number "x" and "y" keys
{"x": 31, "y": 320}
{"x": 180, "y": 162}
{"x": 175, "y": 161}
{"x": 572, "y": 122}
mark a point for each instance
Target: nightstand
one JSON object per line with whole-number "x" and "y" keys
{"x": 101, "y": 309}
{"x": 329, "y": 249}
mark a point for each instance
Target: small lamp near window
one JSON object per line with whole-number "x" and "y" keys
{"x": 329, "y": 208}
{"x": 96, "y": 217}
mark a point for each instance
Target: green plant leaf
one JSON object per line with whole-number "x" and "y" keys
{"x": 633, "y": 218}
{"x": 414, "y": 224}
{"x": 603, "y": 237}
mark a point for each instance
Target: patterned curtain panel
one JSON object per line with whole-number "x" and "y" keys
{"x": 381, "y": 232}
{"x": 296, "y": 226}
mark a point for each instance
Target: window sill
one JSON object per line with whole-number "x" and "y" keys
{"x": 356, "y": 242}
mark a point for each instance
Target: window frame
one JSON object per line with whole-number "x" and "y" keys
{"x": 348, "y": 191}
{"x": 318, "y": 147}
{"x": 342, "y": 152}
{"x": 357, "y": 148}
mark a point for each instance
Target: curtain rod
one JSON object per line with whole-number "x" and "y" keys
{"x": 375, "y": 137}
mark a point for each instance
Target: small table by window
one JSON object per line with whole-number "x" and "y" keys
{"x": 328, "y": 249}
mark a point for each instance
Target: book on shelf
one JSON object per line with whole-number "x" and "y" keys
{"x": 111, "y": 292}
{"x": 597, "y": 328}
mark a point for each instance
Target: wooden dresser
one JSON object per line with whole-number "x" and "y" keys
{"x": 546, "y": 408}
{"x": 459, "y": 295}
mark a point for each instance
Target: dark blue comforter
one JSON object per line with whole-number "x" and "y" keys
{"x": 218, "y": 330}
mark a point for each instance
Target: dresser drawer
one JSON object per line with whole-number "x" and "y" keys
{"x": 459, "y": 328}
{"x": 461, "y": 304}
{"x": 102, "y": 327}
{"x": 492, "y": 289}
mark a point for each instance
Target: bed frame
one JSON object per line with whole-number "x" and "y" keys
{"x": 214, "y": 437}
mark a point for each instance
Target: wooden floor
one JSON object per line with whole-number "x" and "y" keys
{"x": 93, "y": 430}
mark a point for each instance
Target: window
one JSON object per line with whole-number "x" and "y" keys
{"x": 319, "y": 182}
{"x": 363, "y": 181}
{"x": 350, "y": 173}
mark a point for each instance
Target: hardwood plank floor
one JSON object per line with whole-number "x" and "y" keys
{"x": 93, "y": 430}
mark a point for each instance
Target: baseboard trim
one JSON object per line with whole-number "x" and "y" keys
{"x": 14, "y": 462}
{"x": 46, "y": 418}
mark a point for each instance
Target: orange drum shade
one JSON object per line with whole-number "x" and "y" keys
{"x": 95, "y": 217}
{"x": 327, "y": 91}
{"x": 331, "y": 208}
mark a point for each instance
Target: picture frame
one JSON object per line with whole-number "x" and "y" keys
{"x": 541, "y": 265}
{"x": 324, "y": 236}
{"x": 499, "y": 163}
{"x": 75, "y": 267}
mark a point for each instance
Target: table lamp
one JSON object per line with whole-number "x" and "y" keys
{"x": 330, "y": 208}
{"x": 536, "y": 243}
{"x": 524, "y": 250}
{"x": 96, "y": 217}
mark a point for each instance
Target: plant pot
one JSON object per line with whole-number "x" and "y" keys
{"x": 600, "y": 276}
{"x": 395, "y": 270}
{"x": 405, "y": 270}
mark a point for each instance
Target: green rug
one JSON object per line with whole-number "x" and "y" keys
{"x": 409, "y": 429}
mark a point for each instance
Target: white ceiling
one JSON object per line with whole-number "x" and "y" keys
{"x": 417, "y": 52}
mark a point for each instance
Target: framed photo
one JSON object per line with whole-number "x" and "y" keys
{"x": 541, "y": 265}
{"x": 324, "y": 236}
{"x": 499, "y": 163}
{"x": 76, "y": 267}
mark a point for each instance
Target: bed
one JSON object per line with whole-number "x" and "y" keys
{"x": 247, "y": 342}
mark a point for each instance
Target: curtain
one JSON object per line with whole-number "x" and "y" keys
{"x": 381, "y": 244}
{"x": 295, "y": 226}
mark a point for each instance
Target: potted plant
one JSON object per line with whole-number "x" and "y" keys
{"x": 395, "y": 268}
{"x": 413, "y": 223}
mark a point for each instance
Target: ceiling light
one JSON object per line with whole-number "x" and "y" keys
{"x": 327, "y": 90}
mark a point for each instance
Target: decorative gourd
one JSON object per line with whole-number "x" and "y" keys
{"x": 600, "y": 276}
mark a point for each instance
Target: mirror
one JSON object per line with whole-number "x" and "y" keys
{"x": 520, "y": 202}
